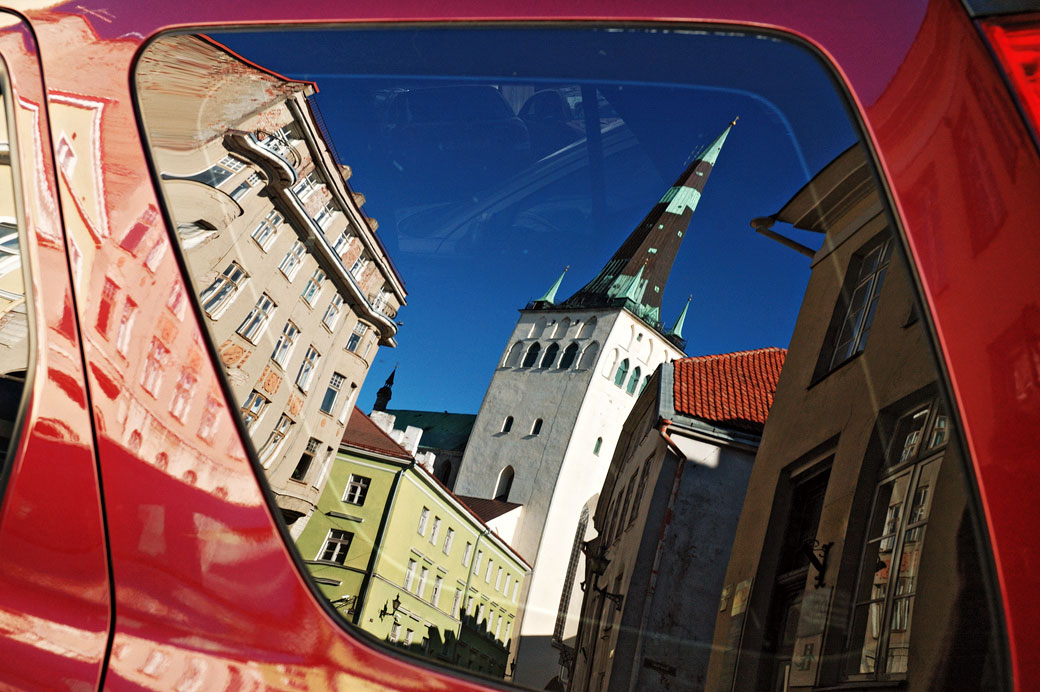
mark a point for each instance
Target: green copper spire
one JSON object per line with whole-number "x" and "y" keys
{"x": 635, "y": 277}
{"x": 676, "y": 329}
{"x": 550, "y": 295}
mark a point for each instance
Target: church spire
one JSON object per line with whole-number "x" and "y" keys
{"x": 676, "y": 330}
{"x": 550, "y": 296}
{"x": 635, "y": 276}
{"x": 385, "y": 392}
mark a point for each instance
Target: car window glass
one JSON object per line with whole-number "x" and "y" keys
{"x": 710, "y": 446}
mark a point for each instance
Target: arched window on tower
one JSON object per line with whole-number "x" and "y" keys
{"x": 513, "y": 358}
{"x": 621, "y": 374}
{"x": 537, "y": 328}
{"x": 633, "y": 382}
{"x": 442, "y": 471}
{"x": 568, "y": 356}
{"x": 537, "y": 427}
{"x": 550, "y": 355}
{"x": 598, "y": 446}
{"x": 646, "y": 381}
{"x": 507, "y": 424}
{"x": 587, "y": 328}
{"x": 532, "y": 355}
{"x": 565, "y": 325}
{"x": 504, "y": 485}
{"x": 588, "y": 357}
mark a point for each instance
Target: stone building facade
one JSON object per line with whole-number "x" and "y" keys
{"x": 296, "y": 289}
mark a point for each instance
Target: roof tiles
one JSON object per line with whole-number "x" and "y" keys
{"x": 734, "y": 390}
{"x": 362, "y": 433}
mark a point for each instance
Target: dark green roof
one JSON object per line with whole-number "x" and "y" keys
{"x": 441, "y": 430}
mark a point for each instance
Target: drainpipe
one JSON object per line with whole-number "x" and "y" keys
{"x": 465, "y": 593}
{"x": 663, "y": 430}
{"x": 377, "y": 548}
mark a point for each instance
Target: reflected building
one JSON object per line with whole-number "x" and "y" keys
{"x": 665, "y": 523}
{"x": 551, "y": 416}
{"x": 857, "y": 513}
{"x": 404, "y": 559}
{"x": 14, "y": 325}
{"x": 296, "y": 289}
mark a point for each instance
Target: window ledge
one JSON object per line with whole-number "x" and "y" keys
{"x": 341, "y": 515}
{"x": 851, "y": 359}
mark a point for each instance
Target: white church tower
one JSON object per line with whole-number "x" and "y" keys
{"x": 550, "y": 419}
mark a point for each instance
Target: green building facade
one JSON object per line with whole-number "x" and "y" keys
{"x": 400, "y": 556}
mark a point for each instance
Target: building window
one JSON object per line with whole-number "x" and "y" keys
{"x": 550, "y": 355}
{"x": 537, "y": 427}
{"x": 355, "y": 338}
{"x": 498, "y": 580}
{"x": 507, "y": 424}
{"x": 598, "y": 446}
{"x": 455, "y": 602}
{"x": 126, "y": 326}
{"x": 435, "y": 597}
{"x": 409, "y": 575}
{"x": 569, "y": 356}
{"x": 854, "y": 314}
{"x": 304, "y": 464}
{"x": 283, "y": 349}
{"x": 568, "y": 580}
{"x": 275, "y": 440}
{"x": 476, "y": 562}
{"x": 332, "y": 312}
{"x": 358, "y": 268}
{"x": 448, "y": 540}
{"x": 307, "y": 185}
{"x": 328, "y": 403}
{"x": 337, "y": 543}
{"x": 307, "y": 367}
{"x": 395, "y": 630}
{"x": 424, "y": 519}
{"x": 879, "y": 641}
{"x": 357, "y": 489}
{"x": 633, "y": 381}
{"x": 290, "y": 264}
{"x": 420, "y": 588}
{"x": 108, "y": 297}
{"x": 324, "y": 217}
{"x": 182, "y": 395}
{"x": 151, "y": 375}
{"x": 253, "y": 409}
{"x": 313, "y": 287}
{"x": 505, "y": 484}
{"x": 265, "y": 231}
{"x": 532, "y": 355}
{"x": 487, "y": 573}
{"x": 255, "y": 322}
{"x": 621, "y": 374}
{"x": 435, "y": 532}
{"x": 341, "y": 243}
{"x": 208, "y": 424}
{"x": 219, "y": 294}
{"x": 409, "y": 635}
{"x": 466, "y": 553}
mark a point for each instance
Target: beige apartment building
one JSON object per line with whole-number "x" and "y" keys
{"x": 297, "y": 291}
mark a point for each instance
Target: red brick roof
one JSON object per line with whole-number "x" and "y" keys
{"x": 362, "y": 433}
{"x": 734, "y": 390}
{"x": 487, "y": 509}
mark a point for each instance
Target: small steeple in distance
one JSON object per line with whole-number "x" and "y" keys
{"x": 635, "y": 276}
{"x": 549, "y": 299}
{"x": 385, "y": 392}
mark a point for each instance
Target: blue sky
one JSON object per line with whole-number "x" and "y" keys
{"x": 663, "y": 95}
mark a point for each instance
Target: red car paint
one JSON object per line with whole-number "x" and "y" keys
{"x": 201, "y": 591}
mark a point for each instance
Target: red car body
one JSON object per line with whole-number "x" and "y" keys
{"x": 128, "y": 574}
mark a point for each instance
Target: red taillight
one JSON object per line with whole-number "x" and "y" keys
{"x": 1016, "y": 42}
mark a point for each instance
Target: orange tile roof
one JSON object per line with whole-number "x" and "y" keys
{"x": 730, "y": 389}
{"x": 362, "y": 433}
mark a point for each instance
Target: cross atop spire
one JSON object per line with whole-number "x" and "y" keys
{"x": 635, "y": 276}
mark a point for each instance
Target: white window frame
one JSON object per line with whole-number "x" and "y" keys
{"x": 357, "y": 489}
{"x": 332, "y": 312}
{"x": 424, "y": 519}
{"x": 275, "y": 440}
{"x": 339, "y": 541}
{"x": 221, "y": 292}
{"x": 253, "y": 409}
{"x": 307, "y": 368}
{"x": 253, "y": 326}
{"x": 312, "y": 289}
{"x": 290, "y": 264}
{"x": 336, "y": 383}
{"x": 286, "y": 341}
{"x": 267, "y": 229}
